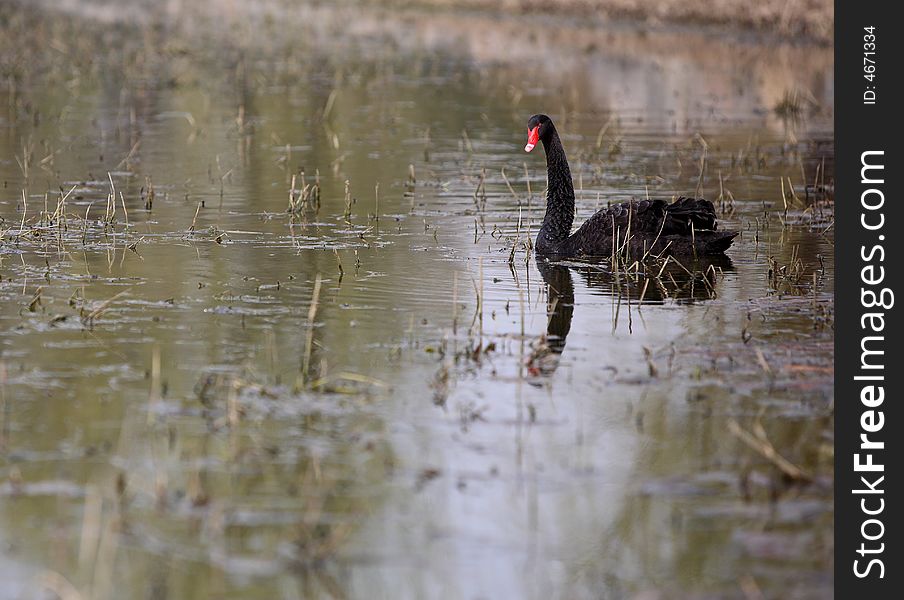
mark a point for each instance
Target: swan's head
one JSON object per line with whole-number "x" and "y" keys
{"x": 538, "y": 127}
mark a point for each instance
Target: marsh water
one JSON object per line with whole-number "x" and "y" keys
{"x": 377, "y": 392}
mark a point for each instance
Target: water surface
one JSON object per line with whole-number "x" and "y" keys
{"x": 448, "y": 420}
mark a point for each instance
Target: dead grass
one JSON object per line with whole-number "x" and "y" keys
{"x": 810, "y": 19}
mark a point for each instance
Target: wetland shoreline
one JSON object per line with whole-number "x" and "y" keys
{"x": 801, "y": 21}
{"x": 271, "y": 325}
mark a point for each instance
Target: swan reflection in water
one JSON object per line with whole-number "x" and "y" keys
{"x": 678, "y": 282}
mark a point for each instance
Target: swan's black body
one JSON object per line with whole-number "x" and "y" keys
{"x": 685, "y": 227}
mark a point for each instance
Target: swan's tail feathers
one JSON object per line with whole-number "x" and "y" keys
{"x": 718, "y": 242}
{"x": 683, "y": 212}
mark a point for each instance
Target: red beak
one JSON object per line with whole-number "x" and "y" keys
{"x": 533, "y": 136}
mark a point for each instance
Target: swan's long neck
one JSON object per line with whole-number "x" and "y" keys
{"x": 559, "y": 195}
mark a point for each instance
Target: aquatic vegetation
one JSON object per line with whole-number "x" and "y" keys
{"x": 273, "y": 323}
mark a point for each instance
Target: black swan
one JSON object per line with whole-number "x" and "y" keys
{"x": 686, "y": 227}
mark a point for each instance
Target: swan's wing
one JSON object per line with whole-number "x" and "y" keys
{"x": 644, "y": 216}
{"x": 594, "y": 236}
{"x": 683, "y": 212}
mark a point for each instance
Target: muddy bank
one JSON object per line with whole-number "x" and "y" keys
{"x": 618, "y": 66}
{"x": 799, "y": 22}
{"x": 807, "y": 20}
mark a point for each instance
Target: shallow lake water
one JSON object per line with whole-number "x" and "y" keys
{"x": 380, "y": 393}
